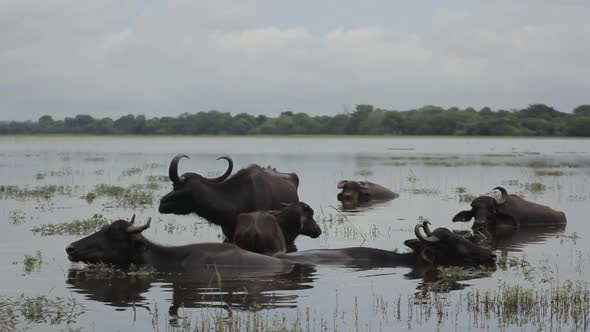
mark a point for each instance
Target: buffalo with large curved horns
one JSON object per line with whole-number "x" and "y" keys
{"x": 220, "y": 200}
{"x": 509, "y": 210}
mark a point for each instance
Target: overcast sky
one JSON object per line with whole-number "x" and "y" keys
{"x": 152, "y": 57}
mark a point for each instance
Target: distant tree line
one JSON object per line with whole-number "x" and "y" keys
{"x": 535, "y": 120}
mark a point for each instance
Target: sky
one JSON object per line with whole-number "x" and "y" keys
{"x": 108, "y": 58}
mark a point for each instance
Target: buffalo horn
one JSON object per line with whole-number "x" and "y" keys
{"x": 173, "y": 169}
{"x": 139, "y": 229}
{"x": 132, "y": 219}
{"x": 504, "y": 197}
{"x": 427, "y": 231}
{"x": 230, "y": 167}
{"x": 428, "y": 238}
{"x": 341, "y": 184}
{"x": 363, "y": 184}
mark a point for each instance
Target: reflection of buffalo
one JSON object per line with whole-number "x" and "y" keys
{"x": 355, "y": 193}
{"x": 221, "y": 199}
{"x": 511, "y": 211}
{"x": 193, "y": 290}
{"x": 510, "y": 240}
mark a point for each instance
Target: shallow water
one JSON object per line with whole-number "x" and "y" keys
{"x": 426, "y": 172}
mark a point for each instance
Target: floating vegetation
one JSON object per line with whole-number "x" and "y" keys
{"x": 18, "y": 310}
{"x": 364, "y": 172}
{"x": 131, "y": 197}
{"x": 94, "y": 159}
{"x": 76, "y": 227}
{"x": 16, "y": 217}
{"x": 535, "y": 187}
{"x": 497, "y": 155}
{"x": 39, "y": 176}
{"x": 106, "y": 271}
{"x": 157, "y": 178}
{"x": 131, "y": 171}
{"x": 549, "y": 173}
{"x": 464, "y": 196}
{"x": 46, "y": 192}
{"x": 33, "y": 262}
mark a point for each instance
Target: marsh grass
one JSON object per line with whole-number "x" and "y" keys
{"x": 535, "y": 187}
{"x": 18, "y": 312}
{"x": 131, "y": 197}
{"x": 16, "y": 217}
{"x": 131, "y": 171}
{"x": 39, "y": 192}
{"x": 76, "y": 227}
{"x": 463, "y": 195}
{"x": 550, "y": 173}
{"x": 33, "y": 262}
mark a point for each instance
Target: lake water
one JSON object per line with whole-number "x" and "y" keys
{"x": 433, "y": 176}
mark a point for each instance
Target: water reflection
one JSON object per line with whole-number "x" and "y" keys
{"x": 512, "y": 240}
{"x": 193, "y": 290}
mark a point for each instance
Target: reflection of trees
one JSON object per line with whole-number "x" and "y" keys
{"x": 224, "y": 288}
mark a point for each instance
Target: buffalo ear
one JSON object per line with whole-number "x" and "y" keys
{"x": 414, "y": 244}
{"x": 341, "y": 184}
{"x": 463, "y": 216}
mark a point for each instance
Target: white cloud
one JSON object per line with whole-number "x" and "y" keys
{"x": 162, "y": 58}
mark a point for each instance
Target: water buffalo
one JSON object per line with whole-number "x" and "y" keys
{"x": 121, "y": 243}
{"x": 356, "y": 192}
{"x": 221, "y": 199}
{"x": 439, "y": 247}
{"x": 275, "y": 231}
{"x": 509, "y": 211}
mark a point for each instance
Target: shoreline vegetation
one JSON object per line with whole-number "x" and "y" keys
{"x": 536, "y": 120}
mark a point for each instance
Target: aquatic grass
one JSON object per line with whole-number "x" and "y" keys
{"x": 18, "y": 312}
{"x": 33, "y": 262}
{"x": 131, "y": 171}
{"x": 549, "y": 173}
{"x": 16, "y": 217}
{"x": 76, "y": 227}
{"x": 44, "y": 192}
{"x": 131, "y": 197}
{"x": 157, "y": 178}
{"x": 535, "y": 187}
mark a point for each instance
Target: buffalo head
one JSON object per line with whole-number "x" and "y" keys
{"x": 443, "y": 247}
{"x": 188, "y": 187}
{"x": 119, "y": 243}
{"x": 484, "y": 209}
{"x": 304, "y": 213}
{"x": 353, "y": 192}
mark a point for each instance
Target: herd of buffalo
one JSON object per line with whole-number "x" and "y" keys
{"x": 260, "y": 214}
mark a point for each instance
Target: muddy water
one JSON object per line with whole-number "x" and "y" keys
{"x": 433, "y": 176}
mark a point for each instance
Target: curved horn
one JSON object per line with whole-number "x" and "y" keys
{"x": 230, "y": 167}
{"x": 341, "y": 184}
{"x": 504, "y": 197}
{"x": 173, "y": 169}
{"x": 139, "y": 229}
{"x": 428, "y": 238}
{"x": 427, "y": 231}
{"x": 132, "y": 219}
{"x": 363, "y": 184}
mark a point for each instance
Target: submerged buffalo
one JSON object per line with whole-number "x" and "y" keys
{"x": 438, "y": 247}
{"x": 355, "y": 193}
{"x": 221, "y": 199}
{"x": 269, "y": 232}
{"x": 509, "y": 211}
{"x": 121, "y": 243}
